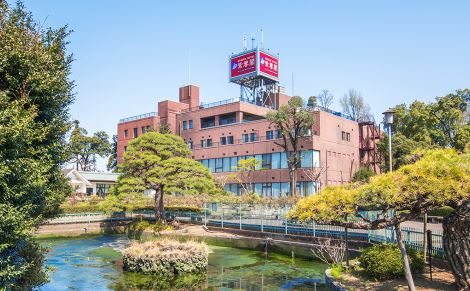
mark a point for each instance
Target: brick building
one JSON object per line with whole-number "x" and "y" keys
{"x": 221, "y": 133}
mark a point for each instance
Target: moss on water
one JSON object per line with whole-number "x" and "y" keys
{"x": 107, "y": 253}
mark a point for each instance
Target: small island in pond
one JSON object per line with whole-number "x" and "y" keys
{"x": 166, "y": 257}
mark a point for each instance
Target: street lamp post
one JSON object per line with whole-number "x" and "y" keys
{"x": 388, "y": 121}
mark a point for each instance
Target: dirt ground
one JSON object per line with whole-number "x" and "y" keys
{"x": 441, "y": 280}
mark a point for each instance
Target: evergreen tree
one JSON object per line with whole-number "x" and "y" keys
{"x": 35, "y": 92}
{"x": 158, "y": 162}
{"x": 112, "y": 160}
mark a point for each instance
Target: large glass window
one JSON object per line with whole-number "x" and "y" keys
{"x": 185, "y": 124}
{"x": 212, "y": 165}
{"x": 284, "y": 188}
{"x": 284, "y": 160}
{"x": 245, "y": 138}
{"x": 267, "y": 189}
{"x": 316, "y": 158}
{"x": 306, "y": 159}
{"x": 269, "y": 134}
{"x": 276, "y": 189}
{"x": 190, "y": 124}
{"x": 267, "y": 161}
{"x": 227, "y": 118}
{"x": 219, "y": 165}
{"x": 230, "y": 139}
{"x": 275, "y": 160}
{"x": 226, "y": 164}
{"x": 259, "y": 159}
{"x": 233, "y": 164}
{"x": 258, "y": 188}
{"x": 208, "y": 122}
{"x": 205, "y": 163}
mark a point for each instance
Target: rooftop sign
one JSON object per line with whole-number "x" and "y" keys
{"x": 253, "y": 64}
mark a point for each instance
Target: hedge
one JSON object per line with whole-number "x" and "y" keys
{"x": 83, "y": 207}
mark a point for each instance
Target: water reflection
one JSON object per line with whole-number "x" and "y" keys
{"x": 92, "y": 263}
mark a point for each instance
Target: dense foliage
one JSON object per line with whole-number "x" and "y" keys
{"x": 294, "y": 122}
{"x": 363, "y": 175}
{"x": 166, "y": 257}
{"x": 444, "y": 123}
{"x": 35, "y": 93}
{"x": 158, "y": 162}
{"x": 438, "y": 177}
{"x": 384, "y": 261}
{"x": 85, "y": 149}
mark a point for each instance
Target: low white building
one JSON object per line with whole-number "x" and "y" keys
{"x": 91, "y": 183}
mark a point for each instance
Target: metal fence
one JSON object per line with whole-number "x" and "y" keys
{"x": 263, "y": 218}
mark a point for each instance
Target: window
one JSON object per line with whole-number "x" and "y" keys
{"x": 269, "y": 134}
{"x": 190, "y": 144}
{"x": 233, "y": 164}
{"x": 278, "y": 134}
{"x": 125, "y": 148}
{"x": 136, "y": 133}
{"x": 212, "y": 165}
{"x": 89, "y": 191}
{"x": 345, "y": 136}
{"x": 253, "y": 136}
{"x": 245, "y": 138}
{"x": 267, "y": 189}
{"x": 226, "y": 164}
{"x": 230, "y": 139}
{"x": 203, "y": 143}
{"x": 348, "y": 136}
{"x": 275, "y": 160}
{"x": 209, "y": 142}
{"x": 227, "y": 118}
{"x": 266, "y": 161}
{"x": 208, "y": 122}
{"x": 126, "y": 132}
{"x": 142, "y": 129}
{"x": 283, "y": 160}
{"x": 306, "y": 159}
{"x": 102, "y": 189}
{"x": 185, "y": 125}
{"x": 190, "y": 124}
{"x": 223, "y": 140}
{"x": 219, "y": 165}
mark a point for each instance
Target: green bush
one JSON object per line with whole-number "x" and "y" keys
{"x": 363, "y": 175}
{"x": 383, "y": 261}
{"x": 93, "y": 206}
{"x": 441, "y": 211}
{"x": 80, "y": 207}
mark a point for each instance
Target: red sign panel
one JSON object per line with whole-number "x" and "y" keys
{"x": 243, "y": 64}
{"x": 268, "y": 65}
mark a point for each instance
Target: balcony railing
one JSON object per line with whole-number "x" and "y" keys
{"x": 222, "y": 102}
{"x": 137, "y": 117}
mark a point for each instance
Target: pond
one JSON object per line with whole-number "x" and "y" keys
{"x": 94, "y": 263}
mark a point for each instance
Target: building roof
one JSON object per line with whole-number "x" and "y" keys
{"x": 97, "y": 176}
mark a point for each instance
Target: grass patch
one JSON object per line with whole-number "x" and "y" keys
{"x": 107, "y": 253}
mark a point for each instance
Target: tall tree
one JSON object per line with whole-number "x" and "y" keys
{"x": 35, "y": 93}
{"x": 294, "y": 123}
{"x": 164, "y": 128}
{"x": 353, "y": 104}
{"x": 438, "y": 177}
{"x": 312, "y": 102}
{"x": 325, "y": 99}
{"x": 158, "y": 162}
{"x": 112, "y": 159}
{"x": 84, "y": 149}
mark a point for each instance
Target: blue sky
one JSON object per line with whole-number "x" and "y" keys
{"x": 131, "y": 54}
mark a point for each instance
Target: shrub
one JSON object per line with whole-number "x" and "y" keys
{"x": 166, "y": 257}
{"x": 363, "y": 175}
{"x": 441, "y": 211}
{"x": 384, "y": 261}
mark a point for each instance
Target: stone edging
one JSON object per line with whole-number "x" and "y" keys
{"x": 331, "y": 283}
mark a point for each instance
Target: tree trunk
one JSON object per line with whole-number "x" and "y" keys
{"x": 293, "y": 182}
{"x": 457, "y": 244}
{"x": 404, "y": 259}
{"x": 158, "y": 204}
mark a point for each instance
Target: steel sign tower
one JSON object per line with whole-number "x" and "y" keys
{"x": 257, "y": 73}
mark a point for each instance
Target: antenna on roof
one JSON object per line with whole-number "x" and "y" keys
{"x": 189, "y": 73}
{"x": 262, "y": 39}
{"x": 244, "y": 42}
{"x": 253, "y": 41}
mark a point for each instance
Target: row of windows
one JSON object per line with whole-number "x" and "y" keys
{"x": 308, "y": 159}
{"x": 274, "y": 190}
{"x": 143, "y": 130}
{"x": 188, "y": 124}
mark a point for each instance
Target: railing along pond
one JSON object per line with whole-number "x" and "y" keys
{"x": 262, "y": 218}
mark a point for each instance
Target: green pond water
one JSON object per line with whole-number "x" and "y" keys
{"x": 94, "y": 263}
